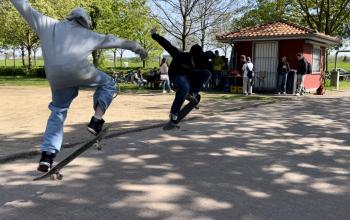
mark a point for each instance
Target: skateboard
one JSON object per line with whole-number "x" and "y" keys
{"x": 54, "y": 172}
{"x": 184, "y": 112}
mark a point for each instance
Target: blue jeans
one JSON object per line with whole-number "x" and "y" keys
{"x": 188, "y": 85}
{"x": 166, "y": 83}
{"x": 61, "y": 100}
{"x": 282, "y": 82}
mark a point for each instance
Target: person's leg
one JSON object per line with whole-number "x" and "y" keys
{"x": 250, "y": 87}
{"x": 198, "y": 79}
{"x": 299, "y": 78}
{"x": 213, "y": 79}
{"x": 105, "y": 90}
{"x": 278, "y": 87}
{"x": 245, "y": 85}
{"x": 61, "y": 100}
{"x": 284, "y": 83}
{"x": 168, "y": 84}
{"x": 163, "y": 84}
{"x": 53, "y": 136}
{"x": 183, "y": 87}
{"x": 302, "y": 87}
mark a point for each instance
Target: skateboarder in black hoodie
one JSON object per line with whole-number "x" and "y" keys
{"x": 188, "y": 71}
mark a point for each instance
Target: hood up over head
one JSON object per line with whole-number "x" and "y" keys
{"x": 81, "y": 16}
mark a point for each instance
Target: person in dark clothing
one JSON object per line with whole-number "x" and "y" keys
{"x": 188, "y": 71}
{"x": 282, "y": 70}
{"x": 301, "y": 73}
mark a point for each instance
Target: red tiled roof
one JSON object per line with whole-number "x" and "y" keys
{"x": 275, "y": 29}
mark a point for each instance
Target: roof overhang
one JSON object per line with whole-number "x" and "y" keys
{"x": 324, "y": 40}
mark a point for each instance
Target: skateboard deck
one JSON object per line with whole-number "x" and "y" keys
{"x": 182, "y": 114}
{"x": 55, "y": 170}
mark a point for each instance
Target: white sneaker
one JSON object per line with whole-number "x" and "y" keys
{"x": 164, "y": 91}
{"x": 279, "y": 93}
{"x": 297, "y": 94}
{"x": 284, "y": 93}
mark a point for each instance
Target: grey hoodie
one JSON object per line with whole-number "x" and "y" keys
{"x": 67, "y": 44}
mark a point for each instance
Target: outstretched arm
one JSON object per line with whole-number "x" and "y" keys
{"x": 111, "y": 41}
{"x": 173, "y": 51}
{"x": 36, "y": 20}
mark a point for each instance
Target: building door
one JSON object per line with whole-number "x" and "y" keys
{"x": 265, "y": 65}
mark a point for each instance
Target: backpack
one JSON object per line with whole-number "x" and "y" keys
{"x": 250, "y": 73}
{"x": 309, "y": 68}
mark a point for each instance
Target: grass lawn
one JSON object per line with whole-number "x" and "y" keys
{"x": 340, "y": 64}
{"x": 343, "y": 85}
{"x": 22, "y": 81}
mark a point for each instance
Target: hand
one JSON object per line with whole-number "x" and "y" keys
{"x": 154, "y": 30}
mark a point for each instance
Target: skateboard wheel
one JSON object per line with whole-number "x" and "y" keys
{"x": 53, "y": 177}
{"x": 99, "y": 147}
{"x": 59, "y": 176}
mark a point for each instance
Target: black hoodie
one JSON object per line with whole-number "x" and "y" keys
{"x": 182, "y": 63}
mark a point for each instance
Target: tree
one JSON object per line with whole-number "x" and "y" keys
{"x": 209, "y": 14}
{"x": 177, "y": 18}
{"x": 264, "y": 11}
{"x": 327, "y": 16}
{"x": 18, "y": 33}
{"x": 142, "y": 21}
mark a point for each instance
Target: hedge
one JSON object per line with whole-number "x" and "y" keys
{"x": 40, "y": 71}
{"x": 22, "y": 71}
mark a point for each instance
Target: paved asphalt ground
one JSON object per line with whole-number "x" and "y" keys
{"x": 288, "y": 160}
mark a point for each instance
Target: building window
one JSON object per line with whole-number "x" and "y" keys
{"x": 316, "y": 59}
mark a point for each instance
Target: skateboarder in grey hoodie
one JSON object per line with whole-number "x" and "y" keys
{"x": 66, "y": 46}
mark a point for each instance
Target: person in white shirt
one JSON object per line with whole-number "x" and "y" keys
{"x": 164, "y": 68}
{"x": 248, "y": 75}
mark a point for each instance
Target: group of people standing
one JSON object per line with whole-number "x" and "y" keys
{"x": 282, "y": 75}
{"x": 283, "y": 70}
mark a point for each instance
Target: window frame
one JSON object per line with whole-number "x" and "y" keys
{"x": 318, "y": 61}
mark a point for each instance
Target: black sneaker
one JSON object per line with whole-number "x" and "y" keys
{"x": 95, "y": 125}
{"x": 46, "y": 161}
{"x": 173, "y": 120}
{"x": 198, "y": 98}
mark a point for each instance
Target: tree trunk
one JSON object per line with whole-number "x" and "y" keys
{"x": 34, "y": 56}
{"x": 5, "y": 59}
{"x": 143, "y": 63}
{"x": 14, "y": 57}
{"x": 23, "y": 55}
{"x": 121, "y": 58}
{"x": 202, "y": 38}
{"x": 96, "y": 57}
{"x": 114, "y": 57}
{"x": 183, "y": 40}
{"x": 29, "y": 49}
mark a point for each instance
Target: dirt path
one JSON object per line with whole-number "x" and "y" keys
{"x": 24, "y": 114}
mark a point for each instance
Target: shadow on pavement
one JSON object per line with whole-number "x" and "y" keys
{"x": 289, "y": 160}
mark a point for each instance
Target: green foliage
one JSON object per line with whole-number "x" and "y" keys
{"x": 263, "y": 11}
{"x": 130, "y": 19}
{"x": 327, "y": 16}
{"x": 10, "y": 71}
